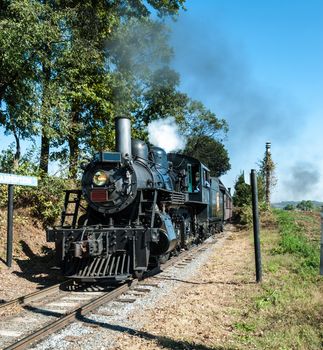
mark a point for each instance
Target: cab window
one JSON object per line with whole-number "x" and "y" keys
{"x": 206, "y": 178}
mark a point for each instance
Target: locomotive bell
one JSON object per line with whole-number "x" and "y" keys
{"x": 123, "y": 136}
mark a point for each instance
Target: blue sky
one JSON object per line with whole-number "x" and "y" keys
{"x": 259, "y": 65}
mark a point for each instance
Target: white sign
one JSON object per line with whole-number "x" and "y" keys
{"x": 12, "y": 179}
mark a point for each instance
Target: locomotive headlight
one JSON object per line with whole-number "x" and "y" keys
{"x": 100, "y": 178}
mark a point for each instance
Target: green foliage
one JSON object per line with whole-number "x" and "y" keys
{"x": 242, "y": 201}
{"x": 242, "y": 192}
{"x": 261, "y": 189}
{"x": 269, "y": 298}
{"x": 210, "y": 152}
{"x": 294, "y": 241}
{"x": 305, "y": 205}
{"x": 199, "y": 121}
{"x": 243, "y": 214}
{"x": 267, "y": 174}
{"x": 245, "y": 327}
{"x": 45, "y": 200}
{"x": 27, "y": 163}
{"x": 289, "y": 207}
{"x": 284, "y": 311}
{"x": 67, "y": 68}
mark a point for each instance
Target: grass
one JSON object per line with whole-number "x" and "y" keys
{"x": 287, "y": 312}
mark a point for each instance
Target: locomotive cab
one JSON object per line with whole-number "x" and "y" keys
{"x": 197, "y": 177}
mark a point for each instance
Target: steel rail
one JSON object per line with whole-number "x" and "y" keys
{"x": 69, "y": 317}
{"x": 34, "y": 296}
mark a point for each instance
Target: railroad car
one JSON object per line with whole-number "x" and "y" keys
{"x": 142, "y": 205}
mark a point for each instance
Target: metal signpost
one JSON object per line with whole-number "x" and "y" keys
{"x": 11, "y": 180}
{"x": 253, "y": 181}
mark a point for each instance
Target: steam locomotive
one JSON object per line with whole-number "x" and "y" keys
{"x": 142, "y": 206}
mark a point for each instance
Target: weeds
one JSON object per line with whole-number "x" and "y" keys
{"x": 245, "y": 327}
{"x": 271, "y": 297}
{"x": 294, "y": 241}
{"x": 287, "y": 313}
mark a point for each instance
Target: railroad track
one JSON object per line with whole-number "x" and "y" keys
{"x": 24, "y": 300}
{"x": 61, "y": 304}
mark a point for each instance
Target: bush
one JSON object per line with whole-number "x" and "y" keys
{"x": 244, "y": 215}
{"x": 45, "y": 200}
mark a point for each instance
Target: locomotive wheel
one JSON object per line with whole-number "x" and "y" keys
{"x": 82, "y": 221}
{"x": 139, "y": 274}
{"x": 163, "y": 258}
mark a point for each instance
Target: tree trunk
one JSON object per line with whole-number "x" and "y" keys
{"x": 44, "y": 153}
{"x": 268, "y": 169}
{"x": 18, "y": 152}
{"x": 45, "y": 141}
{"x": 73, "y": 145}
{"x": 18, "y": 149}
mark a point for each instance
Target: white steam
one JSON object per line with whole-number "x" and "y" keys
{"x": 165, "y": 133}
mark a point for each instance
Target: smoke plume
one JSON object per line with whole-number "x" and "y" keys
{"x": 165, "y": 133}
{"x": 304, "y": 179}
{"x": 216, "y": 71}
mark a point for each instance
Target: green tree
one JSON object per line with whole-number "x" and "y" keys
{"x": 199, "y": 121}
{"x": 20, "y": 38}
{"x": 305, "y": 205}
{"x": 242, "y": 192}
{"x": 210, "y": 152}
{"x": 289, "y": 207}
{"x": 205, "y": 133}
{"x": 267, "y": 172}
{"x": 108, "y": 69}
{"x": 69, "y": 67}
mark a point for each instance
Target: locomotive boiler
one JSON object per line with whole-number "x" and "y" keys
{"x": 142, "y": 206}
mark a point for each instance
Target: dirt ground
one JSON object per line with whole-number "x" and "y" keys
{"x": 33, "y": 258}
{"x": 202, "y": 311}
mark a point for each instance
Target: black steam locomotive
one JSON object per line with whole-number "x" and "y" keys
{"x": 142, "y": 206}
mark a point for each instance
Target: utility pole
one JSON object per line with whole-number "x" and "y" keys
{"x": 256, "y": 225}
{"x": 268, "y": 169}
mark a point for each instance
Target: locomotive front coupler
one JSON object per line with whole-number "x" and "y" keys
{"x": 99, "y": 241}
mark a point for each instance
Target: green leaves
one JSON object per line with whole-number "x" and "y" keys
{"x": 210, "y": 152}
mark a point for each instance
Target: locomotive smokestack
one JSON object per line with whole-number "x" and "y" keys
{"x": 123, "y": 135}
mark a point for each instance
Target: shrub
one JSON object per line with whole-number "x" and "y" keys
{"x": 244, "y": 214}
{"x": 45, "y": 200}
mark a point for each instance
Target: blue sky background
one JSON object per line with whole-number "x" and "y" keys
{"x": 259, "y": 65}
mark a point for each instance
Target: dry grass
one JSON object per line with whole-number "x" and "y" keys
{"x": 222, "y": 308}
{"x": 201, "y": 312}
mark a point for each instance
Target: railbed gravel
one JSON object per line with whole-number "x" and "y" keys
{"x": 100, "y": 329}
